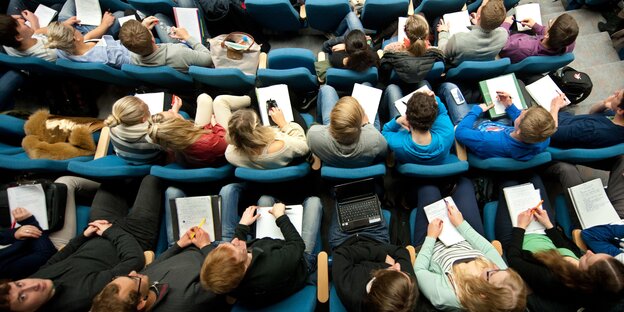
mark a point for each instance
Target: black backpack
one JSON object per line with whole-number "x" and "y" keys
{"x": 575, "y": 85}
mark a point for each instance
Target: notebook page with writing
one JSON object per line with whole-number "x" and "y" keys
{"x": 592, "y": 204}
{"x": 530, "y": 10}
{"x": 266, "y": 227}
{"x": 191, "y": 210}
{"x": 88, "y": 12}
{"x": 279, "y": 93}
{"x": 44, "y": 14}
{"x": 507, "y": 84}
{"x": 369, "y": 98}
{"x": 155, "y": 101}
{"x": 188, "y": 18}
{"x": 457, "y": 21}
{"x": 401, "y": 104}
{"x": 543, "y": 91}
{"x": 31, "y": 197}
{"x": 520, "y": 198}
{"x": 449, "y": 235}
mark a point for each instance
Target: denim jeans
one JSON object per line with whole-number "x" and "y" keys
{"x": 457, "y": 112}
{"x": 393, "y": 93}
{"x": 326, "y": 101}
{"x": 230, "y": 195}
{"x": 349, "y": 23}
{"x": 69, "y": 10}
{"x": 17, "y": 6}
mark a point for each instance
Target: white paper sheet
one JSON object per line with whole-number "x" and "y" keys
{"x": 155, "y": 101}
{"x": 369, "y": 98}
{"x": 191, "y": 211}
{"x": 123, "y": 20}
{"x": 88, "y": 12}
{"x": 449, "y": 235}
{"x": 401, "y": 104}
{"x": 530, "y": 10}
{"x": 503, "y": 83}
{"x": 188, "y": 18}
{"x": 543, "y": 91}
{"x": 520, "y": 198}
{"x": 32, "y": 198}
{"x": 279, "y": 93}
{"x": 457, "y": 21}
{"x": 44, "y": 14}
{"x": 401, "y": 29}
{"x": 592, "y": 204}
{"x": 266, "y": 227}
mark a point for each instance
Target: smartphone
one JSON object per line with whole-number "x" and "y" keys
{"x": 458, "y": 96}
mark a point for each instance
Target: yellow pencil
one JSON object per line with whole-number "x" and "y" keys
{"x": 201, "y": 223}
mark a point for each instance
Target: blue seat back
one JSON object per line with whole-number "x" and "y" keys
{"x": 377, "y": 14}
{"x": 451, "y": 166}
{"x": 343, "y": 79}
{"x": 304, "y": 300}
{"x": 115, "y": 5}
{"x": 273, "y": 175}
{"x": 175, "y": 172}
{"x": 108, "y": 167}
{"x": 161, "y": 76}
{"x": 229, "y": 79}
{"x": 98, "y": 71}
{"x": 298, "y": 79}
{"x": 489, "y": 220}
{"x": 287, "y": 58}
{"x": 276, "y": 15}
{"x": 32, "y": 64}
{"x": 325, "y": 15}
{"x": 437, "y": 8}
{"x": 151, "y": 7}
{"x": 335, "y": 173}
{"x": 585, "y": 155}
{"x": 508, "y": 5}
{"x": 534, "y": 65}
{"x": 507, "y": 164}
{"x": 478, "y": 70}
{"x": 11, "y": 127}
{"x": 21, "y": 162}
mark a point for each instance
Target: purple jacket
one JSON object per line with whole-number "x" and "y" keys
{"x": 520, "y": 46}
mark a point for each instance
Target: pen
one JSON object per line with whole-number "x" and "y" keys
{"x": 13, "y": 223}
{"x": 537, "y": 206}
{"x": 201, "y": 223}
{"x": 517, "y": 21}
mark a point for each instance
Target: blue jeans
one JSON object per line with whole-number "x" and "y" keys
{"x": 10, "y": 81}
{"x": 69, "y": 10}
{"x": 349, "y": 23}
{"x": 457, "y": 112}
{"x": 17, "y": 6}
{"x": 230, "y": 195}
{"x": 326, "y": 101}
{"x": 392, "y": 94}
{"x": 336, "y": 236}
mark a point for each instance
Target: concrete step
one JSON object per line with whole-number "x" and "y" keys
{"x": 587, "y": 20}
{"x": 606, "y": 78}
{"x": 593, "y": 50}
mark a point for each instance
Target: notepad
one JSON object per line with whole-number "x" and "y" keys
{"x": 155, "y": 101}
{"x": 530, "y": 10}
{"x": 266, "y": 226}
{"x": 401, "y": 104}
{"x": 401, "y": 29}
{"x": 369, "y": 98}
{"x": 449, "y": 235}
{"x": 188, "y": 18}
{"x": 592, "y": 205}
{"x": 31, "y": 197}
{"x": 457, "y": 22}
{"x": 88, "y": 12}
{"x": 123, "y": 20}
{"x": 544, "y": 90}
{"x": 187, "y": 212}
{"x": 44, "y": 14}
{"x": 278, "y": 93}
{"x": 507, "y": 83}
{"x": 520, "y": 198}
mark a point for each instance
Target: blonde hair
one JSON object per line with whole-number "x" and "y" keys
{"x": 476, "y": 294}
{"x": 61, "y": 37}
{"x": 247, "y": 134}
{"x": 345, "y": 124}
{"x": 221, "y": 272}
{"x": 129, "y": 111}
{"x": 417, "y": 31}
{"x": 173, "y": 133}
{"x": 537, "y": 125}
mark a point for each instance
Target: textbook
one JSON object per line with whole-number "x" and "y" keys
{"x": 266, "y": 227}
{"x": 520, "y": 198}
{"x": 457, "y": 22}
{"x": 188, "y": 18}
{"x": 530, "y": 10}
{"x": 187, "y": 212}
{"x": 44, "y": 14}
{"x": 401, "y": 104}
{"x": 276, "y": 95}
{"x": 592, "y": 204}
{"x": 401, "y": 29}
{"x": 31, "y": 197}
{"x": 88, "y": 12}
{"x": 507, "y": 83}
{"x": 369, "y": 98}
{"x": 543, "y": 91}
{"x": 449, "y": 235}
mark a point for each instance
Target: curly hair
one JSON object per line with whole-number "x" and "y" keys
{"x": 422, "y": 111}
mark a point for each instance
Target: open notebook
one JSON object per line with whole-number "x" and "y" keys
{"x": 507, "y": 83}
{"x": 449, "y": 235}
{"x": 266, "y": 227}
{"x": 457, "y": 22}
{"x": 187, "y": 212}
{"x": 401, "y": 104}
{"x": 44, "y": 14}
{"x": 530, "y": 10}
{"x": 592, "y": 204}
{"x": 520, "y": 198}
{"x": 31, "y": 197}
{"x": 543, "y": 91}
{"x": 274, "y": 95}
{"x": 88, "y": 12}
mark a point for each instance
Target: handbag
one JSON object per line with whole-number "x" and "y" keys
{"x": 235, "y": 50}
{"x": 55, "y": 197}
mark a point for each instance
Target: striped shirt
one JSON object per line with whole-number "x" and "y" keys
{"x": 136, "y": 152}
{"x": 447, "y": 256}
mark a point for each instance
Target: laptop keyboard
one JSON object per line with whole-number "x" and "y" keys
{"x": 359, "y": 210}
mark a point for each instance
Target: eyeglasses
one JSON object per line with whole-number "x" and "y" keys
{"x": 489, "y": 273}
{"x": 135, "y": 278}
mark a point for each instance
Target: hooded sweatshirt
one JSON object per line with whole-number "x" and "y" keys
{"x": 176, "y": 55}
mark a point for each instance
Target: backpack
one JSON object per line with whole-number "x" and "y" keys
{"x": 575, "y": 84}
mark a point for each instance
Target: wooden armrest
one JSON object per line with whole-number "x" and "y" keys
{"x": 321, "y": 56}
{"x": 262, "y": 62}
{"x": 498, "y": 246}
{"x": 410, "y": 8}
{"x": 149, "y": 257}
{"x": 316, "y": 163}
{"x": 460, "y": 149}
{"x": 380, "y": 53}
{"x": 102, "y": 147}
{"x": 302, "y": 12}
{"x": 323, "y": 277}
{"x": 578, "y": 240}
{"x": 412, "y": 253}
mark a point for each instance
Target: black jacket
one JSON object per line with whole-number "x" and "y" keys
{"x": 24, "y": 257}
{"x": 410, "y": 69}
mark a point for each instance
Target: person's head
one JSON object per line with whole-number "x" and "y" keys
{"x": 225, "y": 267}
{"x": 345, "y": 124}
{"x": 617, "y": 100}
{"x": 128, "y": 111}
{"x": 535, "y": 125}
{"x": 562, "y": 32}
{"x": 417, "y": 31}
{"x": 136, "y": 38}
{"x": 491, "y": 14}
{"x": 485, "y": 287}
{"x": 13, "y": 30}
{"x": 360, "y": 56}
{"x": 25, "y": 295}
{"x": 391, "y": 290}
{"x": 247, "y": 134}
{"x": 422, "y": 111}
{"x": 126, "y": 293}
{"x": 172, "y": 132}
{"x": 63, "y": 37}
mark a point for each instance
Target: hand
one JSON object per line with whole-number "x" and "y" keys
{"x": 108, "y": 19}
{"x": 524, "y": 218}
{"x": 486, "y": 107}
{"x": 473, "y": 18}
{"x": 509, "y": 19}
{"x": 390, "y": 260}
{"x": 31, "y": 17}
{"x": 201, "y": 239}
{"x": 90, "y": 230}
{"x": 504, "y": 98}
{"x": 248, "y": 217}
{"x": 277, "y": 116}
{"x": 339, "y": 47}
{"x": 542, "y": 217}
{"x": 185, "y": 240}
{"x": 528, "y": 22}
{"x": 20, "y": 214}
{"x": 558, "y": 102}
{"x": 150, "y": 22}
{"x": 442, "y": 26}
{"x": 435, "y": 228}
{"x": 278, "y": 210}
{"x": 454, "y": 214}
{"x": 71, "y": 21}
{"x": 101, "y": 225}
{"x": 179, "y": 33}
{"x": 427, "y": 92}
{"x": 27, "y": 231}
{"x": 403, "y": 122}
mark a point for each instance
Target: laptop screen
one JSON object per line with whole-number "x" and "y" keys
{"x": 354, "y": 189}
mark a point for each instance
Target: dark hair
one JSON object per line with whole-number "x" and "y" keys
{"x": 360, "y": 56}
{"x": 562, "y": 32}
{"x": 109, "y": 300}
{"x": 621, "y": 104}
{"x": 8, "y": 31}
{"x": 422, "y": 111}
{"x": 5, "y": 301}
{"x": 391, "y": 291}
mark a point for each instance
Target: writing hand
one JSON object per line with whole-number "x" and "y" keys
{"x": 504, "y": 98}
{"x": 277, "y": 116}
{"x": 454, "y": 214}
{"x": 278, "y": 210}
{"x": 542, "y": 217}
{"x": 185, "y": 240}
{"x": 442, "y": 26}
{"x": 558, "y": 102}
{"x": 179, "y": 33}
{"x": 528, "y": 22}
{"x": 201, "y": 239}
{"x": 524, "y": 218}
{"x": 486, "y": 107}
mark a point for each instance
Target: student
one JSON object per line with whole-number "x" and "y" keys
{"x": 16, "y": 7}
{"x": 469, "y": 275}
{"x": 253, "y": 145}
{"x": 352, "y": 52}
{"x": 129, "y": 124}
{"x": 605, "y": 240}
{"x": 528, "y": 137}
{"x": 264, "y": 271}
{"x": 70, "y": 279}
{"x": 556, "y": 39}
{"x": 346, "y": 139}
{"x": 108, "y": 25}
{"x": 483, "y": 42}
{"x": 424, "y": 134}
{"x": 138, "y": 39}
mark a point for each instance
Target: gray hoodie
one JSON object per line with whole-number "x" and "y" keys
{"x": 176, "y": 55}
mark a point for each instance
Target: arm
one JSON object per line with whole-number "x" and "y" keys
{"x": 128, "y": 250}
{"x": 513, "y": 112}
{"x": 241, "y": 231}
{"x": 539, "y": 29}
{"x": 562, "y": 242}
{"x": 327, "y": 45}
{"x": 296, "y": 140}
{"x": 536, "y": 275}
{"x": 444, "y": 41}
{"x": 443, "y": 125}
{"x": 172, "y": 251}
{"x": 480, "y": 243}
{"x": 603, "y": 238}
{"x": 402, "y": 256}
{"x": 599, "y": 107}
{"x": 7, "y": 236}
{"x": 464, "y": 132}
{"x": 293, "y": 240}
{"x": 107, "y": 21}
{"x": 68, "y": 250}
{"x": 434, "y": 286}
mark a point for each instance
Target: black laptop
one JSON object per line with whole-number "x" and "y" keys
{"x": 357, "y": 205}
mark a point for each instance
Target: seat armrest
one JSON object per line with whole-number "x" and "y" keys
{"x": 412, "y": 253}
{"x": 380, "y": 53}
{"x": 410, "y": 8}
{"x": 460, "y": 149}
{"x": 302, "y": 12}
{"x": 321, "y": 56}
{"x": 323, "y": 277}
{"x": 578, "y": 240}
{"x": 316, "y": 163}
{"x": 102, "y": 147}
{"x": 262, "y": 62}
{"x": 498, "y": 246}
{"x": 149, "y": 257}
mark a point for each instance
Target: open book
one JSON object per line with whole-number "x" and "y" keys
{"x": 187, "y": 212}
{"x": 266, "y": 227}
{"x": 520, "y": 198}
{"x": 44, "y": 14}
{"x": 457, "y": 21}
{"x": 369, "y": 98}
{"x": 31, "y": 197}
{"x": 401, "y": 104}
{"x": 507, "y": 83}
{"x": 188, "y": 18}
{"x": 88, "y": 12}
{"x": 276, "y": 95}
{"x": 543, "y": 91}
{"x": 449, "y": 235}
{"x": 530, "y": 10}
{"x": 592, "y": 204}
